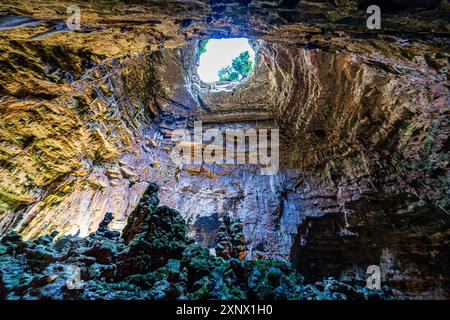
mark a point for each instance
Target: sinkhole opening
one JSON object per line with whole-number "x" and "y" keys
{"x": 225, "y": 60}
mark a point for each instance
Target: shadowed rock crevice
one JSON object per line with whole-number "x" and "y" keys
{"x": 384, "y": 230}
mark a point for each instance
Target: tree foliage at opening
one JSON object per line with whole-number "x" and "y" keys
{"x": 202, "y": 46}
{"x": 240, "y": 67}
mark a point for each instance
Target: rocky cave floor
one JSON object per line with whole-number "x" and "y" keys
{"x": 154, "y": 259}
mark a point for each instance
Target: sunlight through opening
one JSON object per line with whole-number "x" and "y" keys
{"x": 225, "y": 60}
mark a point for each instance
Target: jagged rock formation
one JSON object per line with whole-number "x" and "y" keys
{"x": 230, "y": 239}
{"x": 363, "y": 118}
{"x": 152, "y": 260}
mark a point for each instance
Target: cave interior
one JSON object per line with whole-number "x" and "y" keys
{"x": 87, "y": 116}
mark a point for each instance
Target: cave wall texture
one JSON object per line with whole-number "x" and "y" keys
{"x": 363, "y": 118}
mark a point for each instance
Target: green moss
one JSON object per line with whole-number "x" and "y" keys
{"x": 159, "y": 262}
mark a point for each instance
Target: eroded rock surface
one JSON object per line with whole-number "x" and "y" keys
{"x": 363, "y": 116}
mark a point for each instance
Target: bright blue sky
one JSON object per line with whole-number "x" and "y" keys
{"x": 219, "y": 53}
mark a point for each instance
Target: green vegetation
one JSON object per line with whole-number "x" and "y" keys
{"x": 240, "y": 67}
{"x": 202, "y": 46}
{"x": 154, "y": 259}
